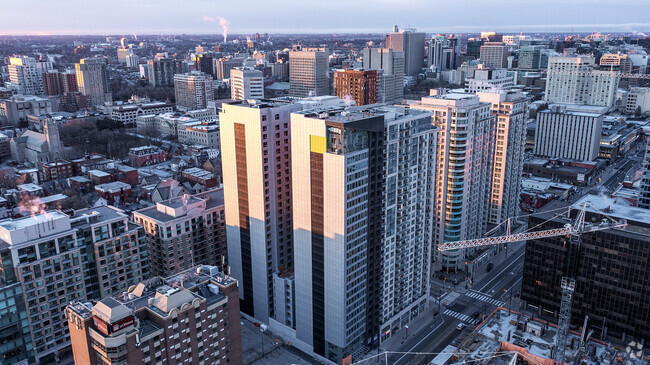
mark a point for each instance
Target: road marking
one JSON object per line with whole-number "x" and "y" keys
{"x": 506, "y": 268}
{"x": 451, "y": 297}
{"x": 485, "y": 298}
{"x": 460, "y": 316}
{"x": 423, "y": 338}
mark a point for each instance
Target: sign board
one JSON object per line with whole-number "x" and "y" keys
{"x": 107, "y": 329}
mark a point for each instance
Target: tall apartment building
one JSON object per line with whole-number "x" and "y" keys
{"x": 92, "y": 80}
{"x": 574, "y": 80}
{"x": 362, "y": 245}
{"x": 256, "y": 166}
{"x": 26, "y": 75}
{"x": 69, "y": 81}
{"x": 510, "y": 112}
{"x": 488, "y": 79}
{"x": 162, "y": 70}
{"x": 644, "y": 196}
{"x": 223, "y": 66}
{"x": 309, "y": 71}
{"x": 463, "y": 173}
{"x": 52, "y": 83}
{"x": 494, "y": 54}
{"x": 188, "y": 318}
{"x": 392, "y": 77}
{"x": 568, "y": 134}
{"x": 193, "y": 90}
{"x": 185, "y": 231}
{"x": 362, "y": 86}
{"x": 612, "y": 273}
{"x": 412, "y": 44}
{"x": 58, "y": 259}
{"x": 246, "y": 83}
{"x": 443, "y": 53}
{"x": 17, "y": 346}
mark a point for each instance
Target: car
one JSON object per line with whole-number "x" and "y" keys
{"x": 461, "y": 326}
{"x": 490, "y": 266}
{"x": 476, "y": 315}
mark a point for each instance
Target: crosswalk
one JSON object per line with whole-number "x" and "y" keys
{"x": 448, "y": 298}
{"x": 484, "y": 298}
{"x": 460, "y": 316}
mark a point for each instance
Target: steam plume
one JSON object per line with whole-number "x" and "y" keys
{"x": 223, "y": 22}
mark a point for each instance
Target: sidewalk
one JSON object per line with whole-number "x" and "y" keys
{"x": 442, "y": 286}
{"x": 415, "y": 326}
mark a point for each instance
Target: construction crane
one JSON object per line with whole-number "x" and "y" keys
{"x": 612, "y": 73}
{"x": 574, "y": 232}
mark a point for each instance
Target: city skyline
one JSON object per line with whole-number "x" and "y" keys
{"x": 208, "y": 17}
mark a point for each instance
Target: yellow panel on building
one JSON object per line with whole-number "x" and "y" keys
{"x": 318, "y": 144}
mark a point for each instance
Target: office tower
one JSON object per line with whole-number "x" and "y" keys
{"x": 494, "y": 54}
{"x": 246, "y": 83}
{"x": 224, "y": 65}
{"x": 92, "y": 80}
{"x": 474, "y": 48}
{"x": 185, "y": 231}
{"x": 464, "y": 169}
{"x": 256, "y": 166}
{"x": 412, "y": 44}
{"x": 611, "y": 273}
{"x": 52, "y": 83}
{"x": 644, "y": 196}
{"x": 57, "y": 259}
{"x": 162, "y": 70}
{"x": 492, "y": 36}
{"x": 309, "y": 71}
{"x": 443, "y": 53}
{"x": 193, "y": 90}
{"x": 188, "y": 318}
{"x": 574, "y": 80}
{"x": 488, "y": 79}
{"x": 392, "y": 77}
{"x": 204, "y": 63}
{"x": 360, "y": 262}
{"x": 561, "y": 133}
{"x": 510, "y": 112}
{"x": 616, "y": 62}
{"x": 637, "y": 99}
{"x": 362, "y": 86}
{"x": 25, "y": 75}
{"x": 530, "y": 57}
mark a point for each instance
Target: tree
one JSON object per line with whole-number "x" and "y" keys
{"x": 8, "y": 179}
{"x": 73, "y": 200}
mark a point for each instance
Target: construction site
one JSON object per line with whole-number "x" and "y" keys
{"x": 506, "y": 335}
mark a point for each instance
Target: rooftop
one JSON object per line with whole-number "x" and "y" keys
{"x": 112, "y": 186}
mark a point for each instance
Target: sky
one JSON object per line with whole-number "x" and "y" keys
{"x": 320, "y": 16}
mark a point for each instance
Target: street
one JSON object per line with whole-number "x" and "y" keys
{"x": 482, "y": 297}
{"x": 501, "y": 286}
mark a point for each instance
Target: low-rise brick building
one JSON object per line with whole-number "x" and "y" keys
{"x": 191, "y": 317}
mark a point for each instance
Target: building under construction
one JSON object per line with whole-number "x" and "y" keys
{"x": 612, "y": 275}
